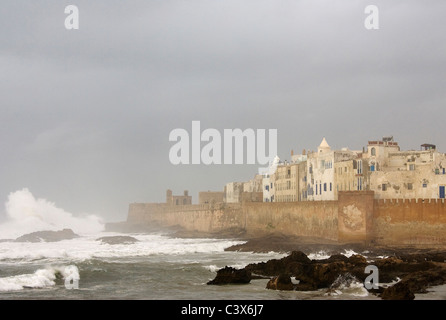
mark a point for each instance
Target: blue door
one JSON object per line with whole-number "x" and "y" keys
{"x": 441, "y": 192}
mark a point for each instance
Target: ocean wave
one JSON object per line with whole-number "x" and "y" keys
{"x": 347, "y": 284}
{"x": 41, "y": 278}
{"x": 87, "y": 247}
{"x": 26, "y": 214}
{"x": 320, "y": 255}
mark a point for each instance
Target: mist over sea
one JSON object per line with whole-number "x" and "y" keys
{"x": 157, "y": 266}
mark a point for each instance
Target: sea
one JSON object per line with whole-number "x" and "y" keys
{"x": 159, "y": 266}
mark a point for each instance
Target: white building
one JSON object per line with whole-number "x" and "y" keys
{"x": 267, "y": 185}
{"x": 408, "y": 174}
{"x": 321, "y": 177}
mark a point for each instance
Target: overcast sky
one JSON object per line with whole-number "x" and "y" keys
{"x": 86, "y": 114}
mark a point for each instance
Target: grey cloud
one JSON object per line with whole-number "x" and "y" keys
{"x": 86, "y": 114}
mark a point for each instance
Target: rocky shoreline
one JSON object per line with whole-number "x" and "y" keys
{"x": 403, "y": 271}
{"x": 401, "y": 275}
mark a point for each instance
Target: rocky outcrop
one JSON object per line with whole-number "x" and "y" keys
{"x": 229, "y": 275}
{"x": 410, "y": 274}
{"x": 118, "y": 240}
{"x": 48, "y": 236}
{"x": 416, "y": 282}
{"x": 281, "y": 282}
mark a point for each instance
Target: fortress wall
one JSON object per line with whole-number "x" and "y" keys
{"x": 318, "y": 219}
{"x": 195, "y": 217}
{"x": 312, "y": 219}
{"x": 355, "y": 217}
{"x": 417, "y": 222}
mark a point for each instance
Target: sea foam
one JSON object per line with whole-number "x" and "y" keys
{"x": 41, "y": 278}
{"x": 26, "y": 214}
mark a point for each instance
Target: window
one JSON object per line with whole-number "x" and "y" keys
{"x": 330, "y": 186}
{"x": 411, "y": 167}
{"x": 267, "y": 188}
{"x": 345, "y": 169}
{"x": 325, "y": 187}
{"x": 360, "y": 166}
{"x": 320, "y": 188}
{"x": 384, "y": 187}
{"x": 409, "y": 186}
{"x": 373, "y": 151}
{"x": 424, "y": 185}
{"x": 177, "y": 202}
{"x": 184, "y": 201}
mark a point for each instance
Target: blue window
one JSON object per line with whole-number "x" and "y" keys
{"x": 372, "y": 168}
{"x": 325, "y": 187}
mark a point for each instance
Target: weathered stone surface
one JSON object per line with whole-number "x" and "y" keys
{"x": 281, "y": 282}
{"x": 399, "y": 291}
{"x": 229, "y": 275}
{"x": 48, "y": 236}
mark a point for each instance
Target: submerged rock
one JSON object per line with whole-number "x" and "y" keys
{"x": 48, "y": 236}
{"x": 229, "y": 275}
{"x": 118, "y": 240}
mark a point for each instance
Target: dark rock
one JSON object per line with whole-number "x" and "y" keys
{"x": 417, "y": 271}
{"x": 281, "y": 282}
{"x": 297, "y": 256}
{"x": 399, "y": 291}
{"x": 118, "y": 240}
{"x": 357, "y": 259}
{"x": 324, "y": 274}
{"x": 289, "y": 264}
{"x": 48, "y": 236}
{"x": 229, "y": 275}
